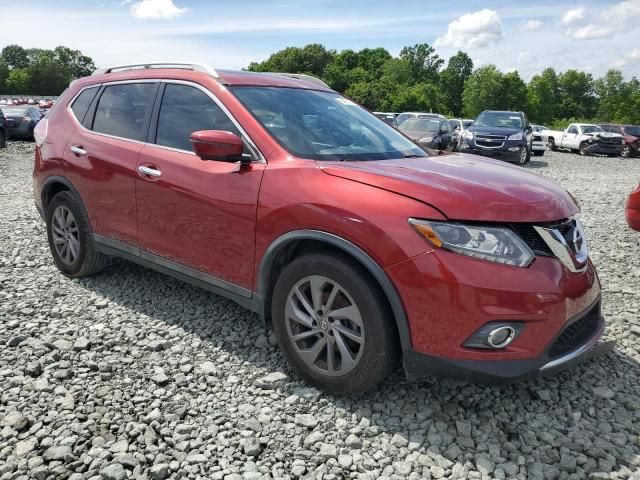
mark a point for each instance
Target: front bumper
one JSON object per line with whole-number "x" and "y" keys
{"x": 509, "y": 150}
{"x": 448, "y": 297}
{"x": 604, "y": 148}
{"x": 419, "y": 365}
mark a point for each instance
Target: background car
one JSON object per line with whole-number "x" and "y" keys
{"x": 406, "y": 115}
{"x": 630, "y": 137}
{"x": 538, "y": 145}
{"x": 432, "y": 133}
{"x": 3, "y": 130}
{"x": 632, "y": 209}
{"x": 387, "y": 117}
{"x": 21, "y": 120}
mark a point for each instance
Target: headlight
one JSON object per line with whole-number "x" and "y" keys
{"x": 468, "y": 135}
{"x": 516, "y": 136}
{"x": 495, "y": 244}
{"x": 426, "y": 140}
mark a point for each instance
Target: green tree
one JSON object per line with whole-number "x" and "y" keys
{"x": 482, "y": 91}
{"x": 375, "y": 95}
{"x": 452, "y": 79}
{"x": 18, "y": 82}
{"x": 543, "y": 96}
{"x": 15, "y": 56}
{"x": 576, "y": 97}
{"x": 76, "y": 64}
{"x": 48, "y": 76}
{"x": 514, "y": 93}
{"x": 425, "y": 63}
{"x": 312, "y": 59}
{"x": 4, "y": 74}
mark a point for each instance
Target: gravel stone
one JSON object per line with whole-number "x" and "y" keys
{"x": 131, "y": 374}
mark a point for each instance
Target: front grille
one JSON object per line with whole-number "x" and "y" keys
{"x": 533, "y": 240}
{"x": 494, "y": 141}
{"x": 576, "y": 333}
{"x": 537, "y": 137}
{"x": 610, "y": 140}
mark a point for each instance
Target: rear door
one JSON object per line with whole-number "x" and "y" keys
{"x": 103, "y": 152}
{"x": 197, "y": 217}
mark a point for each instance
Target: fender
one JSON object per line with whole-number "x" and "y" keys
{"x": 46, "y": 185}
{"x": 354, "y": 251}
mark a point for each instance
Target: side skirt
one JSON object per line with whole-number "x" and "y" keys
{"x": 242, "y": 296}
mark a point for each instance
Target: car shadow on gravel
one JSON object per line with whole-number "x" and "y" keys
{"x": 585, "y": 418}
{"x": 537, "y": 164}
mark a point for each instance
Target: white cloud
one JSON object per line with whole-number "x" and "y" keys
{"x": 631, "y": 58}
{"x": 526, "y": 58}
{"x": 164, "y": 9}
{"x": 572, "y": 16}
{"x": 532, "y": 24}
{"x": 602, "y": 23}
{"x": 478, "y": 29}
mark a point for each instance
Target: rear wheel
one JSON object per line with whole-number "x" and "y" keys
{"x": 333, "y": 324}
{"x": 70, "y": 239}
{"x": 3, "y": 139}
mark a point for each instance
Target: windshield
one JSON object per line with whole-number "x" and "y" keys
{"x": 324, "y": 125}
{"x": 631, "y": 130}
{"x": 420, "y": 125}
{"x": 498, "y": 119}
{"x": 591, "y": 129}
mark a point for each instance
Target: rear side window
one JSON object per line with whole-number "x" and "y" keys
{"x": 185, "y": 110}
{"x": 81, "y": 104}
{"x": 123, "y": 110}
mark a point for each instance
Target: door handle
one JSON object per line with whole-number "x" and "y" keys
{"x": 78, "y": 150}
{"x": 152, "y": 172}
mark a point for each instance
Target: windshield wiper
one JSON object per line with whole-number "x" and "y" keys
{"x": 413, "y": 155}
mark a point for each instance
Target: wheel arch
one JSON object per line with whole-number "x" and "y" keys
{"x": 284, "y": 249}
{"x": 56, "y": 184}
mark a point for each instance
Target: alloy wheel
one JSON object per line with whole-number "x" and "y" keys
{"x": 626, "y": 151}
{"x": 523, "y": 156}
{"x": 324, "y": 325}
{"x": 65, "y": 234}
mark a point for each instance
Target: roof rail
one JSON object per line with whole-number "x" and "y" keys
{"x": 197, "y": 67}
{"x": 302, "y": 76}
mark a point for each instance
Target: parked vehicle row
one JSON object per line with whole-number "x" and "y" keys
{"x": 361, "y": 249}
{"x": 630, "y": 137}
{"x": 20, "y": 121}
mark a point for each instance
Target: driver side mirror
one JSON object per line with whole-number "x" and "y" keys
{"x": 217, "y": 145}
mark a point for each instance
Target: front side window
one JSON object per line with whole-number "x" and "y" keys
{"x": 590, "y": 129}
{"x": 185, "y": 110}
{"x": 324, "y": 125}
{"x": 573, "y": 129}
{"x": 123, "y": 110}
{"x": 82, "y": 102}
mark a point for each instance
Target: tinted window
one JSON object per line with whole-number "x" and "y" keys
{"x": 122, "y": 110}
{"x": 572, "y": 129}
{"x": 81, "y": 104}
{"x": 499, "y": 119}
{"x": 185, "y": 110}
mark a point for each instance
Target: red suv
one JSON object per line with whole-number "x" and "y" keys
{"x": 358, "y": 247}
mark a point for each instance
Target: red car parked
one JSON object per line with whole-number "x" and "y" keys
{"x": 359, "y": 248}
{"x": 632, "y": 209}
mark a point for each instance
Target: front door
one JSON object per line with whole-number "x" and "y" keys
{"x": 193, "y": 213}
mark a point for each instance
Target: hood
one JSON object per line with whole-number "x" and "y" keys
{"x": 465, "y": 187}
{"x": 493, "y": 130}
{"x": 603, "y": 134}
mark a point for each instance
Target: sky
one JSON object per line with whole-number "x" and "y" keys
{"x": 590, "y": 35}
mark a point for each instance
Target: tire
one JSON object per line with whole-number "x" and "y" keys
{"x": 373, "y": 357}
{"x": 551, "y": 144}
{"x": 70, "y": 238}
{"x": 3, "y": 139}
{"x": 525, "y": 156}
{"x": 582, "y": 149}
{"x": 538, "y": 153}
{"x": 626, "y": 151}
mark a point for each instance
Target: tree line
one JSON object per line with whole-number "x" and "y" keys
{"x": 419, "y": 80}
{"x": 37, "y": 71}
{"x": 416, "y": 80}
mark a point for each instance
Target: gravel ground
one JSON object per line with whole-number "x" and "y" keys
{"x": 131, "y": 374}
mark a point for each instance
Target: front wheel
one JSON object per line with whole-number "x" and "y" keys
{"x": 626, "y": 151}
{"x": 525, "y": 156}
{"x": 3, "y": 139}
{"x": 333, "y": 324}
{"x": 70, "y": 238}
{"x": 583, "y": 149}
{"x": 551, "y": 144}
{"x": 538, "y": 153}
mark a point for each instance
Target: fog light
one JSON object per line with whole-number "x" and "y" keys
{"x": 514, "y": 149}
{"x": 501, "y": 337}
{"x": 494, "y": 335}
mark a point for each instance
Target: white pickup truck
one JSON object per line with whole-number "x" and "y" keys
{"x": 584, "y": 138}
